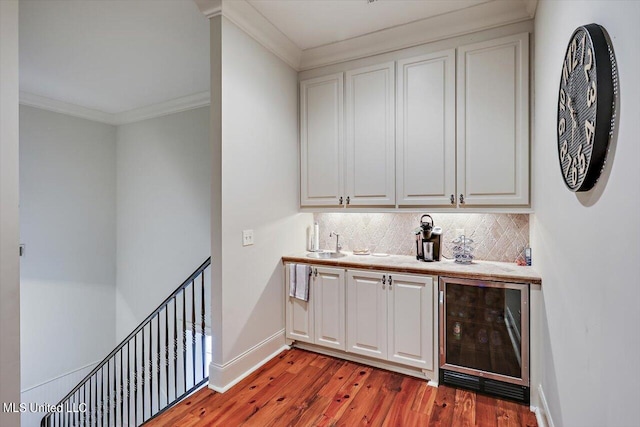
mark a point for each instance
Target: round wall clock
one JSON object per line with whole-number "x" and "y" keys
{"x": 586, "y": 106}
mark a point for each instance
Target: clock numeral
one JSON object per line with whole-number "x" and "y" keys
{"x": 563, "y": 99}
{"x": 582, "y": 160}
{"x": 564, "y": 149}
{"x": 591, "y": 94}
{"x": 588, "y": 66}
{"x": 582, "y": 46}
{"x": 566, "y": 173}
{"x": 574, "y": 172}
{"x": 565, "y": 72}
{"x": 589, "y": 131}
{"x": 574, "y": 54}
{"x": 562, "y": 125}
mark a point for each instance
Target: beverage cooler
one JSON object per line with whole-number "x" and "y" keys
{"x": 484, "y": 337}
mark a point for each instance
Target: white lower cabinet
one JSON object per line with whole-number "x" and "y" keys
{"x": 381, "y": 315}
{"x": 391, "y": 317}
{"x": 321, "y": 320}
{"x": 329, "y": 306}
{"x": 366, "y": 314}
{"x": 410, "y": 315}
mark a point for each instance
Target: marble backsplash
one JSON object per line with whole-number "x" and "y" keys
{"x": 497, "y": 237}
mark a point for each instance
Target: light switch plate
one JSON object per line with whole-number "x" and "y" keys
{"x": 247, "y": 237}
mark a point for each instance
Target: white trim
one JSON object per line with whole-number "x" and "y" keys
{"x": 263, "y": 31}
{"x": 543, "y": 416}
{"x": 172, "y": 106}
{"x": 224, "y": 376}
{"x": 33, "y": 100}
{"x": 424, "y": 374}
{"x": 210, "y": 8}
{"x": 245, "y": 16}
{"x": 532, "y": 6}
{"x": 464, "y": 21}
{"x": 177, "y": 105}
{"x": 90, "y": 365}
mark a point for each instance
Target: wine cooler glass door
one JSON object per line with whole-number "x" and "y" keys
{"x": 484, "y": 329}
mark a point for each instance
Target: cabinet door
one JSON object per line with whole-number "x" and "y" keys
{"x": 426, "y": 130}
{"x": 321, "y": 139}
{"x": 329, "y": 307}
{"x": 411, "y": 320}
{"x": 299, "y": 315}
{"x": 493, "y": 122}
{"x": 370, "y": 147}
{"x": 367, "y": 314}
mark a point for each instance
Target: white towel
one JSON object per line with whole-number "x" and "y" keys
{"x": 303, "y": 273}
{"x": 292, "y": 280}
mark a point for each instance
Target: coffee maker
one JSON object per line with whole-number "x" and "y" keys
{"x": 428, "y": 240}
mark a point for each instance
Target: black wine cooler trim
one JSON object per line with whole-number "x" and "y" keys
{"x": 495, "y": 388}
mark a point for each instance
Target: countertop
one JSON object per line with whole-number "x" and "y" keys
{"x": 482, "y": 270}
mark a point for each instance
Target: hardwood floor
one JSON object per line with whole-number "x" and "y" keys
{"x": 300, "y": 388}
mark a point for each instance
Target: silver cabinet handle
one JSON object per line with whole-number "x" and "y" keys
{"x": 453, "y": 199}
{"x": 390, "y": 282}
{"x": 461, "y": 199}
{"x": 340, "y": 200}
{"x": 315, "y": 272}
{"x": 348, "y": 199}
{"x": 384, "y": 279}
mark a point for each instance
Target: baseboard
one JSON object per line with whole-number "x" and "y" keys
{"x": 223, "y": 377}
{"x": 389, "y": 366}
{"x": 543, "y": 416}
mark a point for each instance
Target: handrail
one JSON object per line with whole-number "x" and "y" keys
{"x": 164, "y": 306}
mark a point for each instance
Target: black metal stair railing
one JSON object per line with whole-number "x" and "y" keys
{"x": 162, "y": 361}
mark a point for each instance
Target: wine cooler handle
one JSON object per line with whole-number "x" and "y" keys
{"x": 441, "y": 297}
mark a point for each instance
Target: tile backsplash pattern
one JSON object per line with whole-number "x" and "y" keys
{"x": 497, "y": 237}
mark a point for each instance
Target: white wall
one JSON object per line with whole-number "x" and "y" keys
{"x": 9, "y": 222}
{"x": 163, "y": 210}
{"x": 259, "y": 191}
{"x": 587, "y": 247}
{"x": 68, "y": 224}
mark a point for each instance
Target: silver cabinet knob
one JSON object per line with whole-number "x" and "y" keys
{"x": 340, "y": 200}
{"x": 453, "y": 199}
{"x": 348, "y": 199}
{"x": 461, "y": 199}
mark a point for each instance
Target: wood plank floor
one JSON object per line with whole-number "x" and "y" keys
{"x": 300, "y": 388}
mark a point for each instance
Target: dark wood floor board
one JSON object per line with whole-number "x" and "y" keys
{"x": 442, "y": 412}
{"x": 486, "y": 411}
{"x": 464, "y": 412}
{"x": 303, "y": 389}
{"x": 508, "y": 414}
{"x": 403, "y": 399}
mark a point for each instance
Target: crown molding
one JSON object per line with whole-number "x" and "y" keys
{"x": 464, "y": 21}
{"x": 245, "y": 16}
{"x": 176, "y": 105}
{"x": 44, "y": 103}
{"x": 210, "y": 8}
{"x": 472, "y": 19}
{"x": 532, "y": 6}
{"x": 172, "y": 106}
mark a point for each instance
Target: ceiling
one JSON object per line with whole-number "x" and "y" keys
{"x": 312, "y": 23}
{"x": 133, "y": 58}
{"x": 113, "y": 56}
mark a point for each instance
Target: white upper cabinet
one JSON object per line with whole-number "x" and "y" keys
{"x": 370, "y": 139}
{"x": 322, "y": 140}
{"x": 493, "y": 122}
{"x": 425, "y": 130}
{"x": 450, "y": 129}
